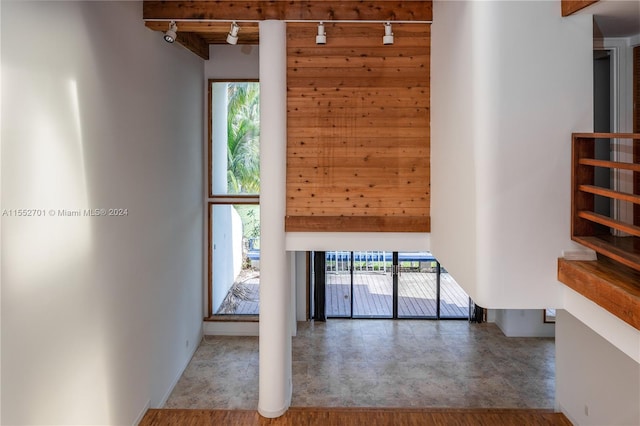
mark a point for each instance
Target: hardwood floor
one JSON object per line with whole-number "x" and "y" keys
{"x": 358, "y": 416}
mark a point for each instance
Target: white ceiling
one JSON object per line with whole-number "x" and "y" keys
{"x": 616, "y": 18}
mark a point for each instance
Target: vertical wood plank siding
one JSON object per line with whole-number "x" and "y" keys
{"x": 358, "y": 149}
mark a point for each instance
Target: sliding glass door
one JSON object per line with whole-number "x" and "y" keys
{"x": 379, "y": 284}
{"x": 358, "y": 284}
{"x": 418, "y": 293}
{"x": 338, "y": 288}
{"x": 373, "y": 285}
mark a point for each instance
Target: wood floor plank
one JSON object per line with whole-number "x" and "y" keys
{"x": 357, "y": 416}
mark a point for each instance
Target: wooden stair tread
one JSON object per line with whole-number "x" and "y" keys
{"x": 609, "y": 284}
{"x": 625, "y": 250}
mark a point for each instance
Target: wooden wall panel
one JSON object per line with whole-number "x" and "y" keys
{"x": 358, "y": 151}
{"x": 636, "y": 128}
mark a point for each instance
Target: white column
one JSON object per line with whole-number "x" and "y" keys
{"x": 275, "y": 292}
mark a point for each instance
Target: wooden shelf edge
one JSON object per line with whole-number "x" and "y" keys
{"x": 606, "y": 135}
{"x": 609, "y": 285}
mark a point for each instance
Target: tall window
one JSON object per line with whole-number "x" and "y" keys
{"x": 233, "y": 197}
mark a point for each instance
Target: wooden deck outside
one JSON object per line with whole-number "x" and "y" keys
{"x": 373, "y": 294}
{"x": 242, "y": 299}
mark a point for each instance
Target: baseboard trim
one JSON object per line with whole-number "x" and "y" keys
{"x": 565, "y": 412}
{"x": 174, "y": 382}
{"x": 223, "y": 328}
{"x": 272, "y": 414}
{"x": 142, "y": 413}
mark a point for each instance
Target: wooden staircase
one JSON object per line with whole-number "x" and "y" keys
{"x": 606, "y": 235}
{"x": 613, "y": 281}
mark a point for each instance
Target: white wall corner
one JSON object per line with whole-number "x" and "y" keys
{"x": 179, "y": 373}
{"x": 596, "y": 383}
{"x": 524, "y": 323}
{"x": 142, "y": 413}
{"x": 231, "y": 328}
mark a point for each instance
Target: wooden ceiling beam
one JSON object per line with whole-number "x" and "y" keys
{"x": 256, "y": 10}
{"x": 569, "y": 7}
{"x": 194, "y": 43}
{"x": 211, "y": 32}
{"x": 202, "y": 27}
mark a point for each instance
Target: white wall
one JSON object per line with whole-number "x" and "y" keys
{"x": 596, "y": 384}
{"x": 227, "y": 251}
{"x": 453, "y": 191}
{"x": 357, "y": 241}
{"x": 241, "y": 61}
{"x": 1, "y": 204}
{"x": 523, "y": 323}
{"x": 620, "y": 334}
{"x": 506, "y": 96}
{"x": 99, "y": 314}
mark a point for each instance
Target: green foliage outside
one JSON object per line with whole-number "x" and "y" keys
{"x": 243, "y": 152}
{"x": 250, "y": 215}
{"x": 243, "y": 130}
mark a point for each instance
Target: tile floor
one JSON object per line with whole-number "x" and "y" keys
{"x": 380, "y": 363}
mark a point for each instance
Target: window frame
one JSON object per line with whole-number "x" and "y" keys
{"x": 219, "y": 199}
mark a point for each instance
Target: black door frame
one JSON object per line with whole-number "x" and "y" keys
{"x": 319, "y": 286}
{"x": 319, "y": 311}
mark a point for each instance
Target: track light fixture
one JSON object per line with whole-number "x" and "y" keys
{"x": 171, "y": 34}
{"x": 321, "y": 38}
{"x": 232, "y": 37}
{"x": 388, "y": 34}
